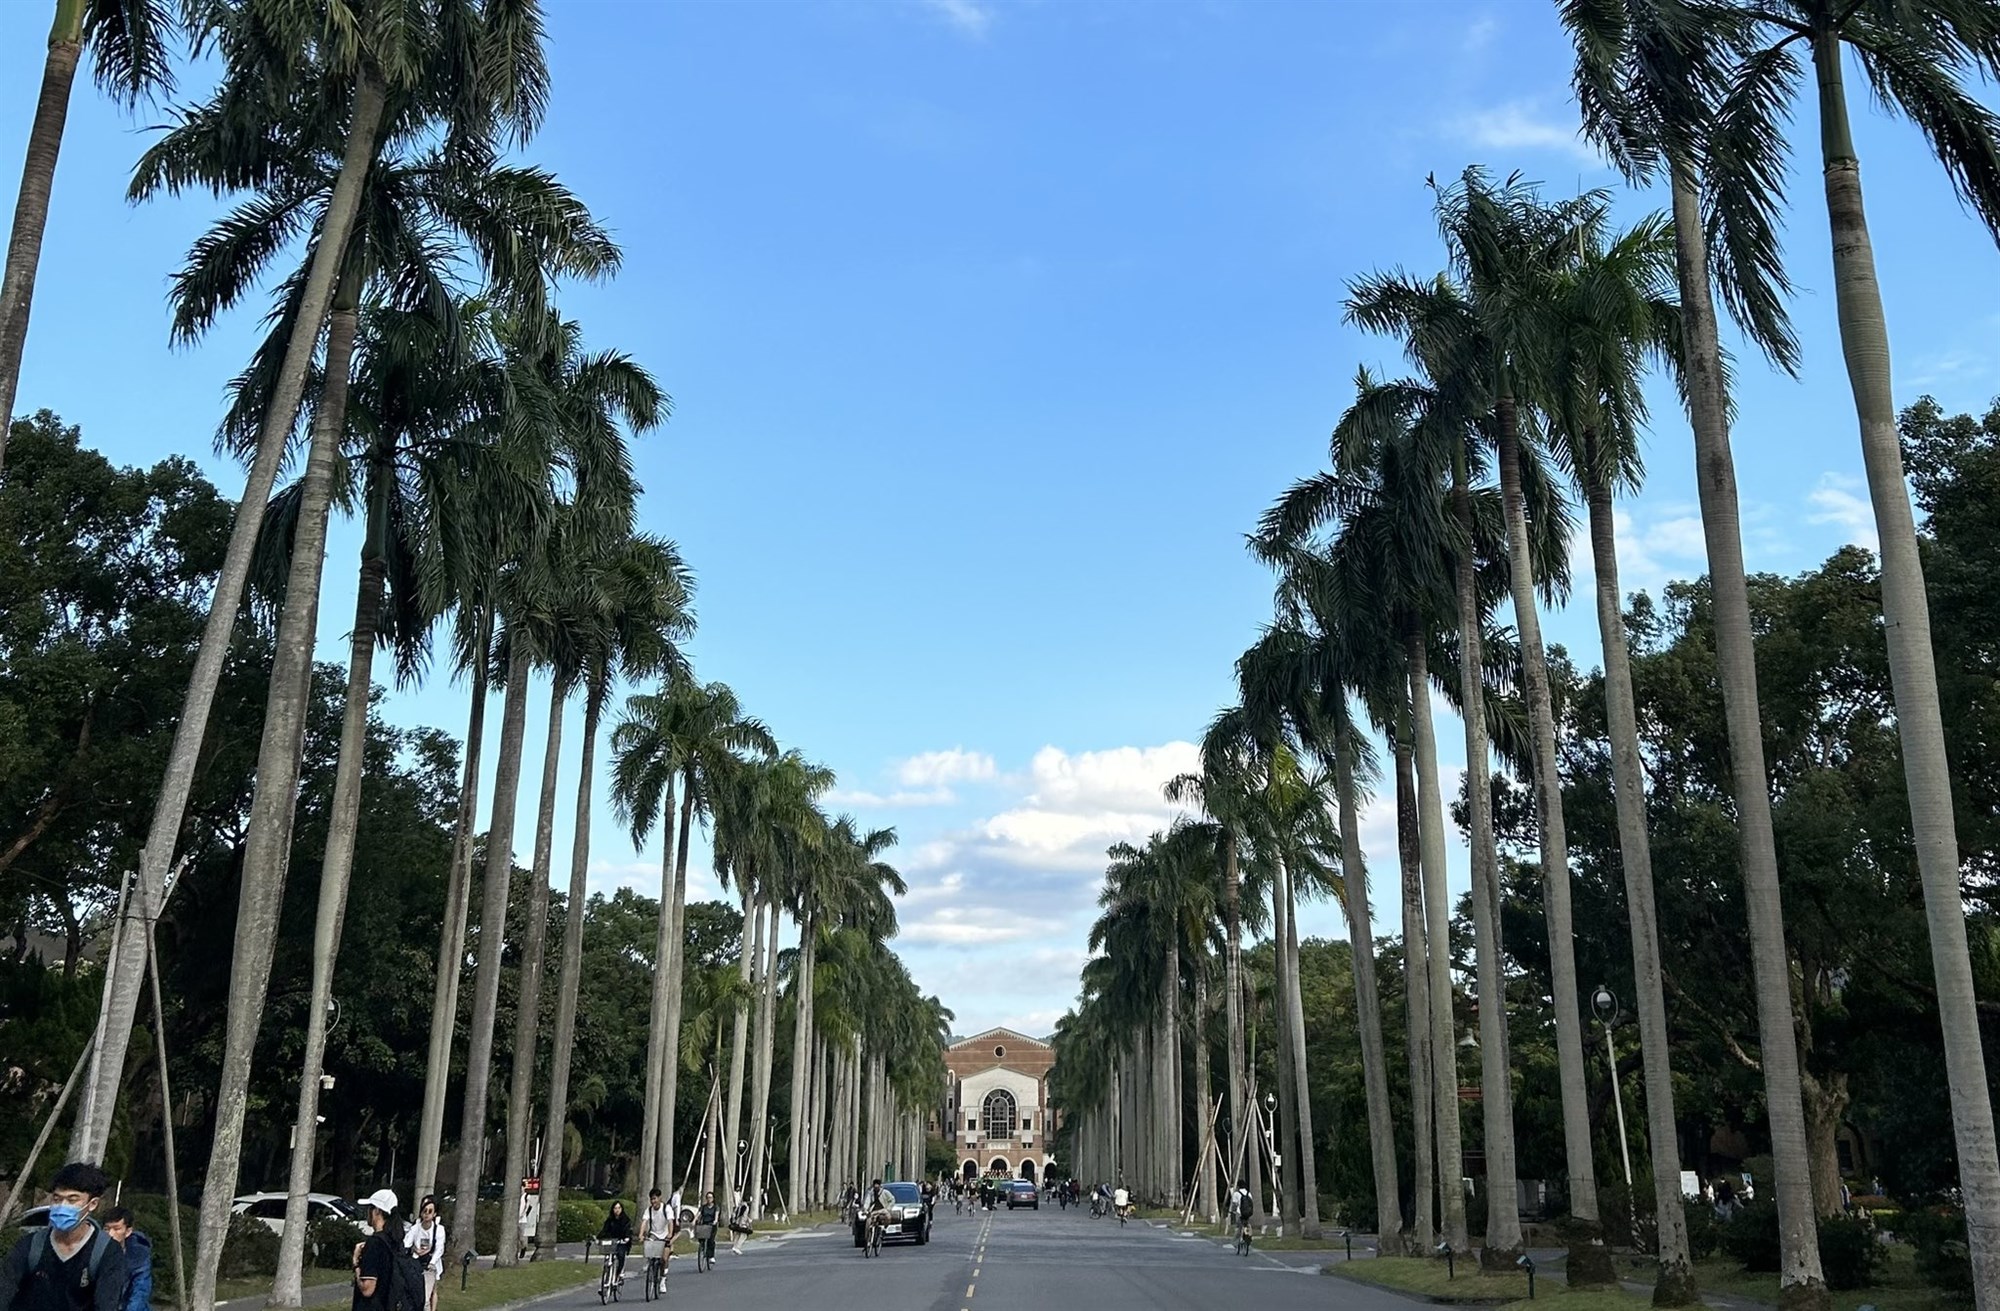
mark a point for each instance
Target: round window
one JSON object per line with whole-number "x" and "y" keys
{"x": 999, "y": 1051}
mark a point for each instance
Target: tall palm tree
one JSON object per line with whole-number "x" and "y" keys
{"x": 1647, "y": 78}
{"x": 1609, "y": 314}
{"x": 128, "y": 42}
{"x": 1917, "y": 58}
{"x": 635, "y": 611}
{"x": 1307, "y": 677}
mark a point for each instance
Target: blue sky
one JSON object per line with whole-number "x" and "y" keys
{"x": 990, "y": 327}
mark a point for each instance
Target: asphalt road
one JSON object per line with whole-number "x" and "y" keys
{"x": 1007, "y": 1259}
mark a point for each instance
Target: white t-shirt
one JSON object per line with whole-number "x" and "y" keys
{"x": 427, "y": 1245}
{"x": 654, "y": 1224}
{"x": 1121, "y": 1198}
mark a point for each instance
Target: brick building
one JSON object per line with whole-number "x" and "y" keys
{"x": 997, "y": 1106}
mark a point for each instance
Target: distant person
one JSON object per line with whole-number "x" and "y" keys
{"x": 375, "y": 1256}
{"x": 119, "y": 1223}
{"x": 739, "y": 1226}
{"x": 70, "y": 1264}
{"x": 705, "y": 1220}
{"x": 425, "y": 1241}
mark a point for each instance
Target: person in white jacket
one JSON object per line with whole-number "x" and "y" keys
{"x": 425, "y": 1240}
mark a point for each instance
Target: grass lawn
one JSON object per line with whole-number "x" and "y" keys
{"x": 1426, "y": 1277}
{"x": 490, "y": 1288}
{"x": 1896, "y": 1286}
{"x": 256, "y": 1286}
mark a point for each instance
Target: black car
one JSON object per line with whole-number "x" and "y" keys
{"x": 909, "y": 1219}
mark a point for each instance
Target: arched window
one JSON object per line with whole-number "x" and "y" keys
{"x": 998, "y": 1114}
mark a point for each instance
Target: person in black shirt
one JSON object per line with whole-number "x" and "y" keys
{"x": 72, "y": 1265}
{"x": 375, "y": 1258}
{"x": 617, "y": 1231}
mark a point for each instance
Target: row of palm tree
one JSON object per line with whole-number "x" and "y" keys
{"x": 444, "y": 398}
{"x": 1445, "y": 499}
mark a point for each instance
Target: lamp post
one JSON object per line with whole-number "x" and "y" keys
{"x": 1277, "y": 1162}
{"x": 1605, "y": 1003}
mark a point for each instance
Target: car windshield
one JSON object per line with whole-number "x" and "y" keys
{"x": 905, "y": 1192}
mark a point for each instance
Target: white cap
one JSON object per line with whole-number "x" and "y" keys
{"x": 382, "y": 1199}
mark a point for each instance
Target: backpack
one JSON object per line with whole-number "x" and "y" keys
{"x": 38, "y": 1245}
{"x": 406, "y": 1279}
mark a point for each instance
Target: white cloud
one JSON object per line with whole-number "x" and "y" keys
{"x": 1524, "y": 125}
{"x": 1840, "y": 499}
{"x": 936, "y": 768}
{"x": 1123, "y": 777}
{"x": 865, "y": 800}
{"x": 1480, "y": 34}
{"x": 968, "y": 16}
{"x": 968, "y": 926}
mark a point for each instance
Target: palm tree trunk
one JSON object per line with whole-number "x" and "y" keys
{"x": 670, "y": 1079}
{"x": 1308, "y": 1152}
{"x": 1170, "y": 1065}
{"x": 666, "y": 983}
{"x": 767, "y": 1048}
{"x": 1802, "y": 1287}
{"x": 1501, "y": 1245}
{"x": 492, "y": 947}
{"x": 1444, "y": 1051}
{"x": 1232, "y": 1002}
{"x": 1590, "y": 1261}
{"x": 451, "y": 944}
{"x": 126, "y": 975}
{"x": 747, "y": 958}
{"x": 1204, "y": 1165}
{"x": 1283, "y": 983}
{"x": 1367, "y": 1005}
{"x": 1422, "y": 1233}
{"x": 31, "y": 210}
{"x": 569, "y": 978}
{"x": 1864, "y": 341}
{"x": 268, "y": 849}
{"x": 335, "y": 866}
{"x": 528, "y": 994}
{"x": 799, "y": 1135}
{"x": 1675, "y": 1284}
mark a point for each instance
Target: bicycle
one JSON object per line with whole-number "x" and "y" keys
{"x": 704, "y": 1247}
{"x": 607, "y": 1279}
{"x": 656, "y": 1273}
{"x": 874, "y": 1245}
{"x": 1243, "y": 1240}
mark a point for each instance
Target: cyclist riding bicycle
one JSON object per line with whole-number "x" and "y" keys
{"x": 617, "y": 1235}
{"x": 656, "y": 1231}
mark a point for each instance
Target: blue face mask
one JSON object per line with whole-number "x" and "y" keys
{"x": 65, "y": 1217}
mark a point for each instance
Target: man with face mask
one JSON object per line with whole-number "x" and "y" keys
{"x": 71, "y": 1265}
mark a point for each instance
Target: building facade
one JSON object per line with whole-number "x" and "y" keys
{"x": 997, "y": 1107}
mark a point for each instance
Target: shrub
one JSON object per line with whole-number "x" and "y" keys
{"x": 331, "y": 1246}
{"x": 486, "y": 1227}
{"x": 577, "y": 1220}
{"x": 1848, "y": 1252}
{"x": 1627, "y": 1215}
{"x": 1751, "y": 1236}
{"x": 149, "y": 1213}
{"x": 250, "y": 1251}
{"x": 1944, "y": 1261}
{"x": 1704, "y": 1228}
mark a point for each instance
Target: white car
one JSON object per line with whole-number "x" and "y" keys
{"x": 270, "y": 1209}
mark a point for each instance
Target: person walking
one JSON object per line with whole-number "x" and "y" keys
{"x": 375, "y": 1256}
{"x": 70, "y": 1264}
{"x": 121, "y": 1225}
{"x": 425, "y": 1241}
{"x": 739, "y": 1227}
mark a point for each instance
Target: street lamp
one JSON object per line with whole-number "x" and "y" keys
{"x": 1605, "y": 1003}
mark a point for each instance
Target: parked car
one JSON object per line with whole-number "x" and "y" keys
{"x": 1022, "y": 1193}
{"x": 269, "y": 1208}
{"x": 35, "y": 1217}
{"x": 909, "y": 1219}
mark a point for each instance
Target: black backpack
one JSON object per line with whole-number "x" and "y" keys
{"x": 406, "y": 1278}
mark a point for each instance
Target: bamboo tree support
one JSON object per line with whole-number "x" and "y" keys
{"x": 1202, "y": 1156}
{"x": 167, "y": 1120}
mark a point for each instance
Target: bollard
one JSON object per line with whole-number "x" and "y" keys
{"x": 1527, "y": 1263}
{"x": 464, "y": 1269}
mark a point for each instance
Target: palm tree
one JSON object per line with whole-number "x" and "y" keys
{"x": 1609, "y": 313}
{"x": 128, "y": 42}
{"x": 688, "y": 736}
{"x": 1307, "y": 678}
{"x": 1647, "y": 78}
{"x": 634, "y": 612}
{"x": 1916, "y": 57}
